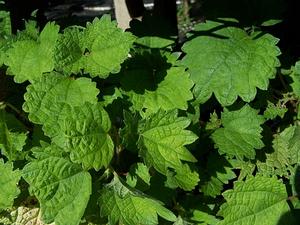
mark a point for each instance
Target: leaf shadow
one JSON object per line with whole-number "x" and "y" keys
{"x": 210, "y": 33}
{"x": 247, "y": 12}
{"x": 144, "y": 71}
{"x": 218, "y": 171}
{"x": 152, "y": 25}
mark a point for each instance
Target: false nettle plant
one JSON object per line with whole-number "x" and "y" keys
{"x": 100, "y": 126}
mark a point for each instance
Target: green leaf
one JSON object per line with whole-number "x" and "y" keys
{"x": 69, "y": 51}
{"x": 49, "y": 98}
{"x": 214, "y": 122}
{"x": 129, "y": 133}
{"x": 219, "y": 173}
{"x": 9, "y": 179}
{"x": 139, "y": 176}
{"x": 154, "y": 42}
{"x": 84, "y": 133}
{"x": 12, "y": 136}
{"x": 256, "y": 201}
{"x": 167, "y": 95}
{"x": 181, "y": 221}
{"x": 246, "y": 168}
{"x": 61, "y": 187}
{"x": 161, "y": 143}
{"x": 204, "y": 218}
{"x": 109, "y": 99}
{"x": 5, "y": 23}
{"x": 285, "y": 153}
{"x": 151, "y": 80}
{"x": 31, "y": 31}
{"x": 228, "y": 62}
{"x": 46, "y": 150}
{"x": 29, "y": 59}
{"x": 296, "y": 79}
{"x": 294, "y": 145}
{"x": 240, "y": 135}
{"x": 272, "y": 111}
{"x": 183, "y": 177}
{"x": 106, "y": 47}
{"x": 130, "y": 207}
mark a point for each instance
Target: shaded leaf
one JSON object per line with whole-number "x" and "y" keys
{"x": 139, "y": 176}
{"x": 219, "y": 173}
{"x": 12, "y": 136}
{"x": 240, "y": 135}
{"x": 130, "y": 207}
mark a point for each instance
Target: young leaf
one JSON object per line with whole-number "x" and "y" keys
{"x": 184, "y": 178}
{"x": 296, "y": 79}
{"x": 61, "y": 187}
{"x": 12, "y": 138}
{"x": 69, "y": 51}
{"x": 129, "y": 133}
{"x": 167, "y": 95}
{"x": 109, "y": 99}
{"x": 139, "y": 176}
{"x": 9, "y": 179}
{"x": 284, "y": 155}
{"x": 228, "y": 62}
{"x": 107, "y": 47}
{"x": 161, "y": 144}
{"x": 29, "y": 59}
{"x": 204, "y": 218}
{"x": 246, "y": 168}
{"x": 272, "y": 111}
{"x": 219, "y": 173}
{"x": 5, "y": 23}
{"x": 240, "y": 135}
{"x": 258, "y": 200}
{"x": 130, "y": 207}
{"x": 181, "y": 221}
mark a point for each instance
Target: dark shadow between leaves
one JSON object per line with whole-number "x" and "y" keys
{"x": 152, "y": 26}
{"x": 215, "y": 167}
{"x": 144, "y": 71}
{"x": 248, "y": 12}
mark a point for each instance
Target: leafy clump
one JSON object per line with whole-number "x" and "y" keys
{"x": 100, "y": 126}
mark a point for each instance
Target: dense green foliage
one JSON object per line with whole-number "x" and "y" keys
{"x": 100, "y": 126}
